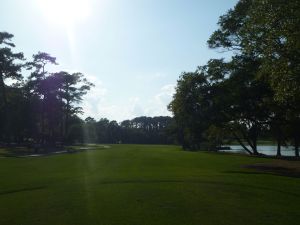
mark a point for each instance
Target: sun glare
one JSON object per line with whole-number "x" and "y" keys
{"x": 65, "y": 12}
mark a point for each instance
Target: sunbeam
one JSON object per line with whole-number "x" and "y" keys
{"x": 65, "y": 12}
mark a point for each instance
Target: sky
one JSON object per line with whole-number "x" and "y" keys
{"x": 132, "y": 50}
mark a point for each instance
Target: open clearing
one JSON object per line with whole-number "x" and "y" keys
{"x": 146, "y": 185}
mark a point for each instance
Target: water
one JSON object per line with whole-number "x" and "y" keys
{"x": 264, "y": 149}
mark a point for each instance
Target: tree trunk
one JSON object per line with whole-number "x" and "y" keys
{"x": 278, "y": 147}
{"x": 254, "y": 140}
{"x": 43, "y": 123}
{"x": 252, "y": 143}
{"x": 255, "y": 152}
{"x": 4, "y": 98}
{"x": 296, "y": 147}
{"x": 67, "y": 120}
{"x": 242, "y": 144}
{"x": 67, "y": 113}
{"x": 251, "y": 140}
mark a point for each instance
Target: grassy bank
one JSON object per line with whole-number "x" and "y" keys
{"x": 145, "y": 185}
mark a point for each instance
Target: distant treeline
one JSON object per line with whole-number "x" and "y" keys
{"x": 42, "y": 109}
{"x": 140, "y": 130}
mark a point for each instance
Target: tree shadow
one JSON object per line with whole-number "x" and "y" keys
{"x": 22, "y": 190}
{"x": 269, "y": 170}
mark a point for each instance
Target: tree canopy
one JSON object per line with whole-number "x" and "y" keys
{"x": 253, "y": 93}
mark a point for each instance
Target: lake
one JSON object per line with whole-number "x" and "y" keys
{"x": 264, "y": 149}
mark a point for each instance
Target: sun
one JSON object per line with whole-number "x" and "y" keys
{"x": 65, "y": 12}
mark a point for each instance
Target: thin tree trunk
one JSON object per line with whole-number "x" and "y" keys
{"x": 251, "y": 143}
{"x": 43, "y": 136}
{"x": 255, "y": 152}
{"x": 62, "y": 131}
{"x": 67, "y": 112}
{"x": 242, "y": 144}
{"x": 4, "y": 98}
{"x": 254, "y": 140}
{"x": 278, "y": 147}
{"x": 296, "y": 147}
{"x": 43, "y": 123}
{"x": 67, "y": 120}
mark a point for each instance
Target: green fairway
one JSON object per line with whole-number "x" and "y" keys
{"x": 144, "y": 185}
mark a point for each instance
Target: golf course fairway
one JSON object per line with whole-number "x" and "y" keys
{"x": 145, "y": 185}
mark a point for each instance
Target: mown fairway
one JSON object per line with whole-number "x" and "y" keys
{"x": 144, "y": 185}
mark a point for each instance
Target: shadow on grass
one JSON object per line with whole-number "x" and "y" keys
{"x": 214, "y": 183}
{"x": 21, "y": 190}
{"x": 278, "y": 167}
{"x": 278, "y": 172}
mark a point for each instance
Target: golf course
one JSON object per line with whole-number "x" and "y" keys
{"x": 148, "y": 185}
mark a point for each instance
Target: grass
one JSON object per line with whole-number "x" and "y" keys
{"x": 144, "y": 185}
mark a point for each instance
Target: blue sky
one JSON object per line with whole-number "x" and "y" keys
{"x": 132, "y": 50}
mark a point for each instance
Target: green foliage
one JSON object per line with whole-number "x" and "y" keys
{"x": 40, "y": 108}
{"x": 10, "y": 67}
{"x": 139, "y": 130}
{"x": 189, "y": 106}
{"x": 44, "y": 108}
{"x": 273, "y": 34}
{"x": 258, "y": 90}
{"x": 268, "y": 30}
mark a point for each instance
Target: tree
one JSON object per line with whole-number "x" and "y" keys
{"x": 10, "y": 68}
{"x": 41, "y": 110}
{"x": 73, "y": 87}
{"x": 267, "y": 31}
{"x": 56, "y": 97}
{"x": 89, "y": 130}
{"x": 247, "y": 105}
{"x": 272, "y": 33}
{"x": 191, "y": 106}
{"x": 222, "y": 96}
{"x": 38, "y": 88}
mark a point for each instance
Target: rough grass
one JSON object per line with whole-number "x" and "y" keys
{"x": 145, "y": 185}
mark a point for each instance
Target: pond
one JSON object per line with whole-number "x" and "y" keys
{"x": 264, "y": 149}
